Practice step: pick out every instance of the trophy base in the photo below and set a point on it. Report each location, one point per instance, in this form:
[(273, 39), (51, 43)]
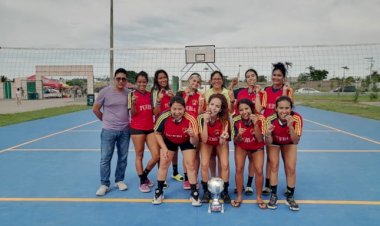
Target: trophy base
[(216, 208)]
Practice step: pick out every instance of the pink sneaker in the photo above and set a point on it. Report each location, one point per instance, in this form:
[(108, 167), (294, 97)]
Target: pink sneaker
[(186, 185), (144, 188), (149, 183)]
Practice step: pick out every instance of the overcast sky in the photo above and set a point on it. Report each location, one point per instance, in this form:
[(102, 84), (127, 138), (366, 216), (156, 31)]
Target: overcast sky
[(176, 23)]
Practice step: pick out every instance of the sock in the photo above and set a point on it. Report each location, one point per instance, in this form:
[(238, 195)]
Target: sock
[(146, 172), (194, 192), (267, 183), (142, 178), (204, 186), (274, 189), (291, 191), (160, 185), (186, 178), (226, 184), (249, 183), (175, 170)]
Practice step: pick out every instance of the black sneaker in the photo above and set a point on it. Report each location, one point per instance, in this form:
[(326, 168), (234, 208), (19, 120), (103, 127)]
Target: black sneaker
[(273, 202), (292, 203), (226, 197), (206, 197), (266, 191)]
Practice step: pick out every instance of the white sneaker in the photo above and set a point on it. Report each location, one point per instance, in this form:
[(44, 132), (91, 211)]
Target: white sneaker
[(103, 189), (195, 200), (158, 197), (121, 185)]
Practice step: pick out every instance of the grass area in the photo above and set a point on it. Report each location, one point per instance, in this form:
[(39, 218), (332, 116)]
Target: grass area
[(342, 103), (9, 119)]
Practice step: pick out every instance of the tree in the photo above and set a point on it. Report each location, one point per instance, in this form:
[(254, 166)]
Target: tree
[(303, 77), (131, 76), (3, 78), (262, 78), (318, 75)]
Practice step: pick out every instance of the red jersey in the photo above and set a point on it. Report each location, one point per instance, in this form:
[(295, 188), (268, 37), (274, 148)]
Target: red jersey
[(281, 133), (165, 101), (249, 141), (192, 104), (214, 131), (175, 131), (245, 94), (270, 99), (143, 119)]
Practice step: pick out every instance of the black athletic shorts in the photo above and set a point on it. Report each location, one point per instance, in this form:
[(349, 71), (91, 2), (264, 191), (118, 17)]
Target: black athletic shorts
[(138, 131), (174, 147)]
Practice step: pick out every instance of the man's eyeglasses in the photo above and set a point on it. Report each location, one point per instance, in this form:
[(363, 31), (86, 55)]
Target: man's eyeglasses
[(121, 79)]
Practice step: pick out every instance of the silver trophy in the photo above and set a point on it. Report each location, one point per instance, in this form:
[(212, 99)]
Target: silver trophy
[(215, 186)]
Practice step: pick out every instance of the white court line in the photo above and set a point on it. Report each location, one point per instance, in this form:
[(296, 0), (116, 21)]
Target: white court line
[(319, 131), (345, 132), (47, 136), (85, 131), (146, 150), (340, 151)]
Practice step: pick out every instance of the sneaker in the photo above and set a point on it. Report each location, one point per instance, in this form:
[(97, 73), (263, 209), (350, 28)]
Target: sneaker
[(273, 202), (158, 197), (178, 177), (103, 189), (292, 203), (166, 185), (248, 191), (266, 191), (194, 197), (206, 197), (226, 197), (149, 183), (186, 185), (121, 185), (144, 188)]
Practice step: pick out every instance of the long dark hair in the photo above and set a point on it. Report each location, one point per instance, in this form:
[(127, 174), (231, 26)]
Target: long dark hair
[(223, 115), (156, 86)]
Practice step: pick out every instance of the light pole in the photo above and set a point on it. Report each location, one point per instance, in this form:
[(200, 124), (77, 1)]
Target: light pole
[(238, 77), (371, 61), (111, 40), (344, 70)]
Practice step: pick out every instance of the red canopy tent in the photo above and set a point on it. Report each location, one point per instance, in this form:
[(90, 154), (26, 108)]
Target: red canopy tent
[(55, 84)]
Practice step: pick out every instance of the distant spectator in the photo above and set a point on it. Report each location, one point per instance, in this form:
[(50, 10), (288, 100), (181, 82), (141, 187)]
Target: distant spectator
[(18, 96)]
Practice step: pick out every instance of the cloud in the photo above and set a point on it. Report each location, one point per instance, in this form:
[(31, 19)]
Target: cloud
[(142, 23)]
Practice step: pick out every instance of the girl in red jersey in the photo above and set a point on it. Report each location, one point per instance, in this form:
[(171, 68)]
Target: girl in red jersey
[(161, 94), (176, 128), (141, 129), (194, 106), (279, 88), (254, 93), (214, 131), (248, 134), (283, 132)]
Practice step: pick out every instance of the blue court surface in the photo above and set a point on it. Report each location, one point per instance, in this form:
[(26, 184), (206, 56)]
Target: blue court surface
[(49, 173)]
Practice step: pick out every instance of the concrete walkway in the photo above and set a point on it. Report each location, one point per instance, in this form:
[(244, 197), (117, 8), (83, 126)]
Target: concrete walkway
[(10, 106)]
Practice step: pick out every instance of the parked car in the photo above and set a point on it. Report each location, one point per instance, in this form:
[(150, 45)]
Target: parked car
[(345, 89), (307, 90)]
